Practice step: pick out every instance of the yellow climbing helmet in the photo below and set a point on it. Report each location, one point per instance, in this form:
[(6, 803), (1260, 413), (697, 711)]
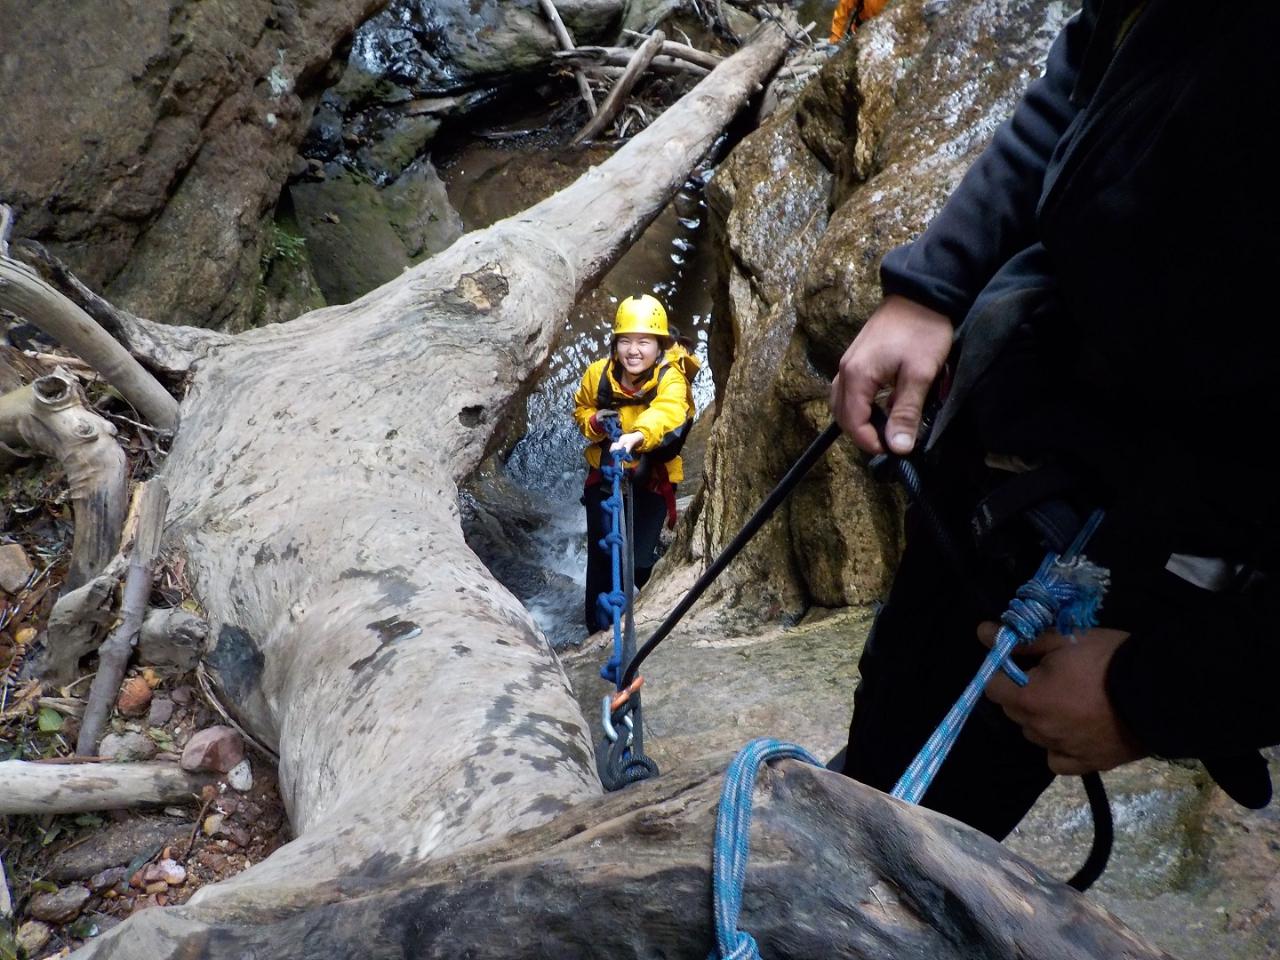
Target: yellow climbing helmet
[(642, 314)]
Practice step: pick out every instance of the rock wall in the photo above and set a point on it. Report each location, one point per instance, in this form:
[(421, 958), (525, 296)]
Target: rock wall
[(806, 208), (147, 143)]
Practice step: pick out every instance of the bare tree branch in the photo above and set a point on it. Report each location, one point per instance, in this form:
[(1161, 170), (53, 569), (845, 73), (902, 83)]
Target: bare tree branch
[(613, 103), (565, 39)]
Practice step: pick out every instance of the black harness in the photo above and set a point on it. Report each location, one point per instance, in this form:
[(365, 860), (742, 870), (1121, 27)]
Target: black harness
[(609, 399)]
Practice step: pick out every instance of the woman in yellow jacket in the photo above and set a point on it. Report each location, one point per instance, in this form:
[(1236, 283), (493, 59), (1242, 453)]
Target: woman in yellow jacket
[(644, 382)]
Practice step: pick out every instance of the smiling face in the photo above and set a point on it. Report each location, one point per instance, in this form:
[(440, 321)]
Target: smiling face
[(636, 353)]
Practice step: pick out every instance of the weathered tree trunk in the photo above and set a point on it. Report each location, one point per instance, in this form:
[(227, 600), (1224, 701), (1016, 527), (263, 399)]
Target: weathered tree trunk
[(837, 870), (436, 768), (313, 487)]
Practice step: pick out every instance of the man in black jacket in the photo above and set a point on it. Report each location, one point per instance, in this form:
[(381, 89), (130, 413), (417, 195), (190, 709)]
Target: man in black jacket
[(1101, 280)]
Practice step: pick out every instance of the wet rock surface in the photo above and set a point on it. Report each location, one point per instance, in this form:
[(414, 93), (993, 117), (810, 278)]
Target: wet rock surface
[(155, 187)]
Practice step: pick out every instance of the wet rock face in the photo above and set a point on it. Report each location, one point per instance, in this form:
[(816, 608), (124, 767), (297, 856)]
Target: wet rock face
[(146, 142), (442, 46), (807, 207)]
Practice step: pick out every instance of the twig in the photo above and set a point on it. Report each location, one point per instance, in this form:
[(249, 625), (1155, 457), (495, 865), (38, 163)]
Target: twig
[(617, 96), (6, 227), (565, 39), (206, 687), (195, 830), (684, 51), (150, 502), (6, 901)]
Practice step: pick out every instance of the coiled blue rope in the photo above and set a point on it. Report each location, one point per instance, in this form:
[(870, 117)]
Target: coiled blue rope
[(733, 842), (1066, 592)]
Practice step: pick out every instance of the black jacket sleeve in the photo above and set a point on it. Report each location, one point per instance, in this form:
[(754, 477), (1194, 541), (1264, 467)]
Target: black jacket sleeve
[(992, 214), (1205, 684)]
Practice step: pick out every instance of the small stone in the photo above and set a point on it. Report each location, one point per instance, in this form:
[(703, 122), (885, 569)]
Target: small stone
[(166, 871), (216, 748), (240, 777), (15, 568), (212, 824), (32, 936), (127, 747), (161, 712), (157, 886), (60, 907), (135, 697), (108, 879), (183, 695), (212, 860)]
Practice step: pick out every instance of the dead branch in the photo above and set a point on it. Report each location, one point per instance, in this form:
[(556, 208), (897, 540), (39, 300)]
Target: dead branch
[(681, 51), (612, 61), (149, 505), (640, 60), (6, 226), (27, 787), (565, 39), (51, 416), (77, 622), (6, 899), (26, 294), (167, 347)]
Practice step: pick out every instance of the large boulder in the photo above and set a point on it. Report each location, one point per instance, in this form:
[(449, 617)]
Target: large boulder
[(145, 143), (807, 206)]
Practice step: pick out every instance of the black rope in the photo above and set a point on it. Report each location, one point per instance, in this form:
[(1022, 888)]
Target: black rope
[(762, 514)]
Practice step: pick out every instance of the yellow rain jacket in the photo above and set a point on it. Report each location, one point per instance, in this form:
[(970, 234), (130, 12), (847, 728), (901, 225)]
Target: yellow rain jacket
[(666, 402)]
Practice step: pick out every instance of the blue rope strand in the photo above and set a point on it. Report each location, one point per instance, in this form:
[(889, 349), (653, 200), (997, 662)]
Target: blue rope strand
[(733, 843), (613, 604), (1066, 593)]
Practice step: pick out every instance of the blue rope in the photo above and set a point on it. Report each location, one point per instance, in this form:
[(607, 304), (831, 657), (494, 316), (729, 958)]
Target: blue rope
[(613, 604), (1066, 592), (733, 842)]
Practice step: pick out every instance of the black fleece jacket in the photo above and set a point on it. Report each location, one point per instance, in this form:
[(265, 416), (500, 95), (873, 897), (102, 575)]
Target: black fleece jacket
[(1125, 221)]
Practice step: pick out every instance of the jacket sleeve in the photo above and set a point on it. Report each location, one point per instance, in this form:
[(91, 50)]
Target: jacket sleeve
[(1204, 682), (667, 411), (584, 402), (992, 213)]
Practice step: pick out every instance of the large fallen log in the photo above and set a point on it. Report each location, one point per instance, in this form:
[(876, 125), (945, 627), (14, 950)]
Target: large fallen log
[(313, 488), (837, 870)]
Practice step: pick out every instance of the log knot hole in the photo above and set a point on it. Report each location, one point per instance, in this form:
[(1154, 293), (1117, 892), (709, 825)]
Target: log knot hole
[(471, 416)]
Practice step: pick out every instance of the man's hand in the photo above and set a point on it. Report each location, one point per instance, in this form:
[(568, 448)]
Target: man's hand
[(627, 442), (902, 346), (1064, 706)]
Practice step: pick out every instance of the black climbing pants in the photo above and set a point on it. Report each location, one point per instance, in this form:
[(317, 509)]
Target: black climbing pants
[(649, 512), (922, 651)]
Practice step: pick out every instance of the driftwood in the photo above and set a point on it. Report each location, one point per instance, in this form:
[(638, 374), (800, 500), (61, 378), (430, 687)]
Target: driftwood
[(25, 293), (565, 39), (6, 898), (148, 511), (678, 51), (28, 787), (615, 65), (613, 103), (49, 415), (837, 870), (76, 624)]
